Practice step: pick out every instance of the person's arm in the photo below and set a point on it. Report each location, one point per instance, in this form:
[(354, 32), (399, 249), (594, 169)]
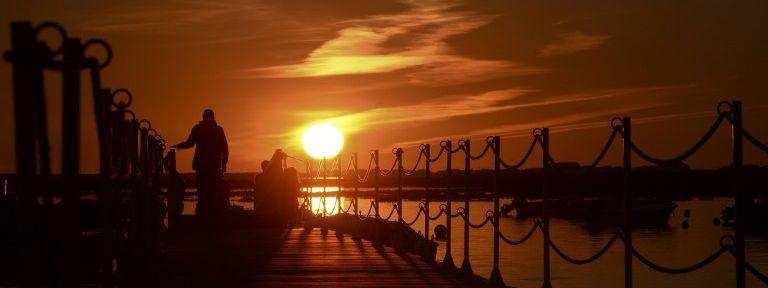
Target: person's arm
[(190, 141), (224, 151)]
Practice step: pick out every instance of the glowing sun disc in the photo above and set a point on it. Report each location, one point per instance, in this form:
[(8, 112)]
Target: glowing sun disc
[(322, 141)]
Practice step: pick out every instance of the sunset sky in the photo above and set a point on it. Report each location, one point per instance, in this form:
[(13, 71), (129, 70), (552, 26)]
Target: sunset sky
[(398, 73)]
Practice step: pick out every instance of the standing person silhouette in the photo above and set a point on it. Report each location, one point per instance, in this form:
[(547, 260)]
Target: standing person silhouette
[(209, 163)]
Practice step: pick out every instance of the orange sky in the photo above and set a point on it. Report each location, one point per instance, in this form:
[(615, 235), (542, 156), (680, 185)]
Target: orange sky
[(399, 73)]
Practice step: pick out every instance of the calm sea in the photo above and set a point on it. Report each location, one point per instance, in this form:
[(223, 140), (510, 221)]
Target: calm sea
[(522, 265)]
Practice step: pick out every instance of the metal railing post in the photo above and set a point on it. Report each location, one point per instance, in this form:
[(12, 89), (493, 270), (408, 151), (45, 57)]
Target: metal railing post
[(466, 267), (338, 193), (24, 69), (448, 259), (339, 232), (324, 226), (376, 183), (399, 159), (740, 199), (496, 278), (355, 186), (545, 205), (73, 58), (105, 193), (427, 155), (626, 126)]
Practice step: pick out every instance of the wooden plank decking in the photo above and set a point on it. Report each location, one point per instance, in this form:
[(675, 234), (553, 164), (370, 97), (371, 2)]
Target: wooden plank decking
[(279, 258)]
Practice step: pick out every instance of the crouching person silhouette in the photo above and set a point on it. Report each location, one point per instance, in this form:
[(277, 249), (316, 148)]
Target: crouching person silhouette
[(209, 163)]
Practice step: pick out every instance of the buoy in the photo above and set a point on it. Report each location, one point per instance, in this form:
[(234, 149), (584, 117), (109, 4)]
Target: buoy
[(687, 213), (685, 225), (441, 232), (716, 221)]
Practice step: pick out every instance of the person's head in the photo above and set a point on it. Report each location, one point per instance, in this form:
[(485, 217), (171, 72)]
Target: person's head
[(264, 165), (208, 115)]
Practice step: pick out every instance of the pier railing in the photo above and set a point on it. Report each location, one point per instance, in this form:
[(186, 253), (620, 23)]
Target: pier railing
[(730, 112), (121, 228)]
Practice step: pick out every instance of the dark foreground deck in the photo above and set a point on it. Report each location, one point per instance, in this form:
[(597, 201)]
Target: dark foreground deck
[(288, 258)]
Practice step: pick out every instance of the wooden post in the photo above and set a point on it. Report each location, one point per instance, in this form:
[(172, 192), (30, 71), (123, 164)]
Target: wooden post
[(741, 200), (448, 263), (496, 278), (466, 267), (545, 205), (70, 160), (626, 126)]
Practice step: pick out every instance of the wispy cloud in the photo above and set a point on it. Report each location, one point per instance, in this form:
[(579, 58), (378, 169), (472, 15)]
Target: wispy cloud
[(170, 16), (412, 39), (572, 42), (566, 121)]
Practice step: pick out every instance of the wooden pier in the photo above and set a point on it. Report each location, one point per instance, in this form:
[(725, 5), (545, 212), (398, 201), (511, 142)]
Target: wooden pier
[(262, 257)]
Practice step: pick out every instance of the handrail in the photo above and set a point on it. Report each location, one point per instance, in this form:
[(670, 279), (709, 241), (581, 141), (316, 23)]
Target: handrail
[(620, 127)]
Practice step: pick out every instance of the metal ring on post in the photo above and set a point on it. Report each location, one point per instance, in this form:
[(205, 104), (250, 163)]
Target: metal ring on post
[(133, 115), (106, 47), (490, 215), (489, 139), (616, 123), (461, 143), (142, 121), (537, 132), (727, 237), (58, 28), (721, 108), (444, 144), (122, 104), (152, 132), (422, 147)]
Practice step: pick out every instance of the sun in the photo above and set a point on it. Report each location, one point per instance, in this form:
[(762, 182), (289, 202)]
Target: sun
[(322, 141)]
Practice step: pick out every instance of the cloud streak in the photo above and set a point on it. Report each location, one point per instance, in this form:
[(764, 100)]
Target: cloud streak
[(413, 39), (572, 42)]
